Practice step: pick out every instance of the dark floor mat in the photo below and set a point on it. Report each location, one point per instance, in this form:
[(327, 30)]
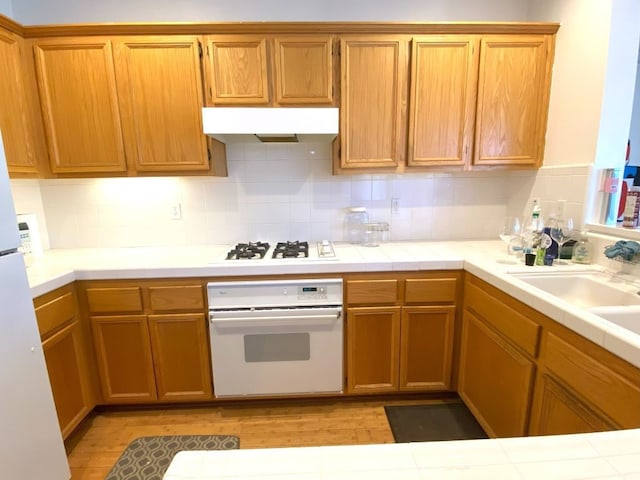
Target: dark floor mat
[(423, 423), (147, 458)]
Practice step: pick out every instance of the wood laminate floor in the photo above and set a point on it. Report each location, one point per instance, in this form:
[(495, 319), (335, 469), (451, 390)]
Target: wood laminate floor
[(98, 442)]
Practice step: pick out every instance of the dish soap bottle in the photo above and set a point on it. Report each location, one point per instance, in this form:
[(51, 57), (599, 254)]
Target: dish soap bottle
[(534, 232), (581, 250)]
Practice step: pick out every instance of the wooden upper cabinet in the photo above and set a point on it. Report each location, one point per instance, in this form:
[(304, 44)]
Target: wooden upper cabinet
[(303, 70), (263, 70), (79, 103), (14, 121), (161, 98), (237, 72), (442, 105), (513, 97), (373, 101)]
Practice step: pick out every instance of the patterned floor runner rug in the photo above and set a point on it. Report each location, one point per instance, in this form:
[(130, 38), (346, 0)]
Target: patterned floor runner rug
[(147, 458)]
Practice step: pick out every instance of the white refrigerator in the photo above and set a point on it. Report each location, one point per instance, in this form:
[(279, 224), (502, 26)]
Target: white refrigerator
[(31, 446)]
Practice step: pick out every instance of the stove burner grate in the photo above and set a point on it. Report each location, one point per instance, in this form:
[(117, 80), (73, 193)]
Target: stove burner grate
[(295, 249), (248, 251)]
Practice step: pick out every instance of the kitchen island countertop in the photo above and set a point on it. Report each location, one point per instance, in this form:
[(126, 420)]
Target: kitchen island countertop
[(605, 455)]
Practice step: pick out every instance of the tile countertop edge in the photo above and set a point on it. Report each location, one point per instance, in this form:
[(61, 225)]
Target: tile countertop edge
[(40, 286)]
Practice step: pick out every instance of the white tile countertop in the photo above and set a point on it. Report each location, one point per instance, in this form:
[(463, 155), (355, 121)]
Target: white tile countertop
[(482, 258), (593, 456)]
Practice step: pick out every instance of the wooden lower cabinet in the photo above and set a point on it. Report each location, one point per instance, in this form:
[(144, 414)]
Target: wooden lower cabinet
[(71, 394), (496, 380), (583, 388), (123, 351), (426, 348), (557, 410), (66, 342), (151, 338), (180, 356), (373, 341), (522, 373), (401, 331), (393, 349)]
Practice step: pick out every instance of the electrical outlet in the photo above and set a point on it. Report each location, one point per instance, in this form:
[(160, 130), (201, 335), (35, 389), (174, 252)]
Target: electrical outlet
[(175, 211), (395, 206)]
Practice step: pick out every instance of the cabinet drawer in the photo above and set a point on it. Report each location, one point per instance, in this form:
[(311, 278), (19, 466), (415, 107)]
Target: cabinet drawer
[(430, 290), (372, 292), (603, 388), (524, 332), (55, 313), (118, 299), (177, 297)]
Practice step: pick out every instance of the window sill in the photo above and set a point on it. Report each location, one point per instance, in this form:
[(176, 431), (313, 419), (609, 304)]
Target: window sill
[(620, 232)]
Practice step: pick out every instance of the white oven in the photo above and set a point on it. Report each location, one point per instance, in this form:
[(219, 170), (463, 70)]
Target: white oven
[(276, 337)]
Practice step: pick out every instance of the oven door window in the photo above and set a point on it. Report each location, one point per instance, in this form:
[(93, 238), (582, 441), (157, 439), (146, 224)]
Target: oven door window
[(277, 347)]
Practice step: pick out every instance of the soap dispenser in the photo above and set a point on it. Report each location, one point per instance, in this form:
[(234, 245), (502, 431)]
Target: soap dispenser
[(581, 250)]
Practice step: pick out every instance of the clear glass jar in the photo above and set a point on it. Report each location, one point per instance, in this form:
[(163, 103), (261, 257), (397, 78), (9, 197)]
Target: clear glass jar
[(354, 222), (375, 233)]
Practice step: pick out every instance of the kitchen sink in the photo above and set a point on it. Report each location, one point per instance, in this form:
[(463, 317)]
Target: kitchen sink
[(585, 289), (626, 317)]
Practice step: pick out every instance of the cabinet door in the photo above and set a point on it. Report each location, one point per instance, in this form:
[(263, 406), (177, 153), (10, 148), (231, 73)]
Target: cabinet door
[(513, 98), (557, 410), (181, 356), (237, 73), (14, 122), (123, 351), (426, 348), (496, 381), (373, 102), (442, 105), (79, 105), (373, 339), (595, 379), (303, 70), (63, 354), (161, 98)]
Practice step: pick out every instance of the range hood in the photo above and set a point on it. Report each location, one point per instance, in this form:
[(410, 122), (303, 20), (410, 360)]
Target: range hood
[(270, 125)]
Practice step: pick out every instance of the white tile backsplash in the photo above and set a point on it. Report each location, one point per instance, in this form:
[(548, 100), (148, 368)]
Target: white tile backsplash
[(278, 192)]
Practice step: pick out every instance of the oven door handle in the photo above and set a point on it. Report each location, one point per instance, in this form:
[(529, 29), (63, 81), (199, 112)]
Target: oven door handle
[(274, 321)]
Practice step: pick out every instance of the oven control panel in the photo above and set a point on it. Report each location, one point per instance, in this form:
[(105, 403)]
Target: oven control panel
[(272, 293), (312, 292)]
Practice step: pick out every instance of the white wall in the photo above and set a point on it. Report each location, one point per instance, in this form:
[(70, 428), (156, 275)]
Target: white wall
[(72, 11), (28, 200), (272, 193), (6, 8), (591, 97), (617, 101), (578, 77), (634, 130)]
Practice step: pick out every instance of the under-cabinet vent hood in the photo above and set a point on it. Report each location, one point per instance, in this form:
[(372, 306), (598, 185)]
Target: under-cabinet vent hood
[(233, 124)]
